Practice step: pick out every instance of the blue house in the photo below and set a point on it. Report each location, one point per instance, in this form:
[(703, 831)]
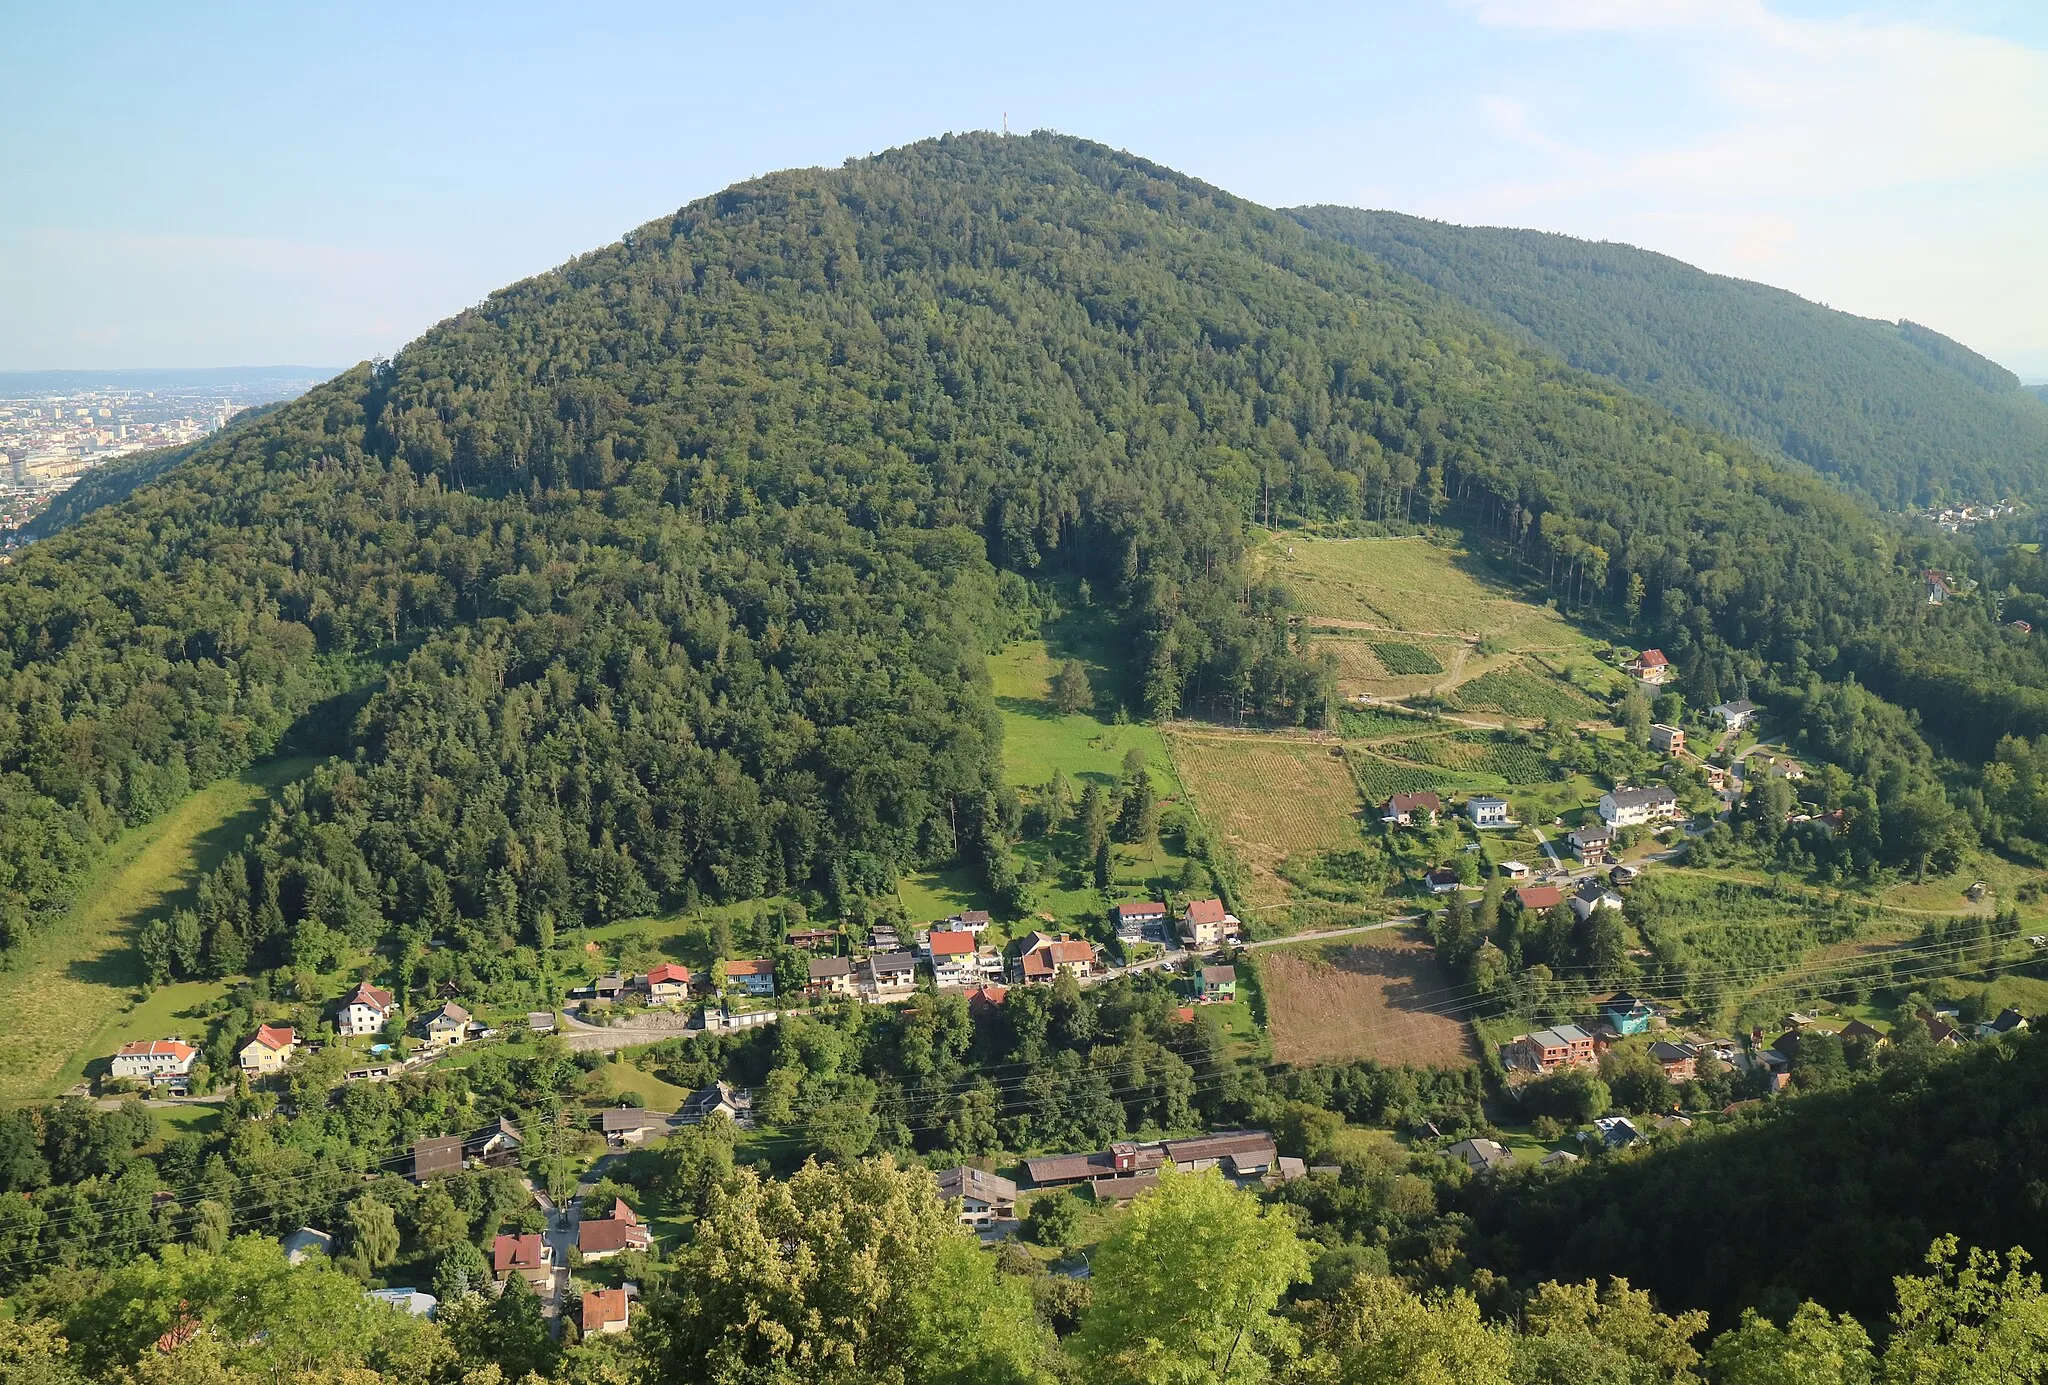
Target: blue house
[(1627, 1014)]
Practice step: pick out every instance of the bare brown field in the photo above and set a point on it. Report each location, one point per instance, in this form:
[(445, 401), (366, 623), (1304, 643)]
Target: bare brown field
[(1271, 797), (1341, 1001)]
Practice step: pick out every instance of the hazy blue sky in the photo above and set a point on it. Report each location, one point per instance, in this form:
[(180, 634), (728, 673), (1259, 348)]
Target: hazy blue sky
[(233, 184)]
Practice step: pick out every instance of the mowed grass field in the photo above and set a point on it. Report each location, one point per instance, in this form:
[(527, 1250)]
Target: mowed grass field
[(1270, 797), (1360, 593), (76, 993), (1373, 996)]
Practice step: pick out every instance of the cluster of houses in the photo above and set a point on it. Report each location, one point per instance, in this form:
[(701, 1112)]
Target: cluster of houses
[(166, 1064), (1424, 808), (1578, 1046)]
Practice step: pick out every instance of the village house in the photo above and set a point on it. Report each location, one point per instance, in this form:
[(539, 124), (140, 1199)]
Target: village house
[(1650, 667), (1591, 843), (811, 939), (1133, 917), (528, 1256), (1486, 811), (608, 987), (366, 1011), (1481, 1155), (1667, 740), (1205, 923), (435, 1156), (982, 999), (891, 975), (668, 984), (1679, 1061), (1940, 586), (1442, 880), (605, 1311), (718, 1099), (600, 1238), (631, 1125), (1944, 1034), (973, 921), (1412, 809), (1042, 958), (831, 976), (540, 1021), (159, 1062), (1621, 807), (1219, 985), (1858, 1031), (1546, 1050), (1536, 898), (1514, 870), (754, 976), (1736, 715), (269, 1051), (1109, 1172), (983, 1198), (1627, 1014), (497, 1145), (2009, 1021), (1592, 895), (952, 958), (448, 1025)]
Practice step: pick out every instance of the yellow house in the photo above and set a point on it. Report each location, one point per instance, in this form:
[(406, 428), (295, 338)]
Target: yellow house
[(269, 1051)]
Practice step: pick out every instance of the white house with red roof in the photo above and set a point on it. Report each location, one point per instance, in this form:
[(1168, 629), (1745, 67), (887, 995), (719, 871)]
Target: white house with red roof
[(159, 1062), (366, 1011), (1206, 923)]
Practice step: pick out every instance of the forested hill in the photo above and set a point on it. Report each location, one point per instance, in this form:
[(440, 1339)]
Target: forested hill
[(1896, 412), (671, 570)]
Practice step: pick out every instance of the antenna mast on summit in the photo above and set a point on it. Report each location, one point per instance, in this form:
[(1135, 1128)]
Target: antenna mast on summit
[(1006, 122)]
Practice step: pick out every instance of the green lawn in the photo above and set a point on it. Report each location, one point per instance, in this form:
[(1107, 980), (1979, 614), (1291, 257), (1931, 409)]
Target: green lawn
[(75, 994), (655, 1093)]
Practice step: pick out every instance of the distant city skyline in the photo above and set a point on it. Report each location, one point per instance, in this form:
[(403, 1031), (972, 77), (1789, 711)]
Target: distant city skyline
[(247, 184)]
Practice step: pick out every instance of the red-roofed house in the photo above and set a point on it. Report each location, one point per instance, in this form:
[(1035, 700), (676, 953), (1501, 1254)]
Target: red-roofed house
[(159, 1062), (364, 1012), (987, 997), (269, 1051), (1044, 958), (1540, 896), (600, 1238), (605, 1310), (1206, 923), (952, 957), (1650, 666), (1408, 809), (528, 1256), (668, 984)]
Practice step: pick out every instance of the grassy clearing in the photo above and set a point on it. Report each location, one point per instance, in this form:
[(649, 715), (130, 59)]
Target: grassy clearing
[(1271, 797), (1373, 997), (1457, 615), (76, 994), (655, 1093)]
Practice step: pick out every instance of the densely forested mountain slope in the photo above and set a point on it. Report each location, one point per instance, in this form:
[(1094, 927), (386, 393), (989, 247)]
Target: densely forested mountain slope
[(1898, 413), (1826, 1197), (684, 555)]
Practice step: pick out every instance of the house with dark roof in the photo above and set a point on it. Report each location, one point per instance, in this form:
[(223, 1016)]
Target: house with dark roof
[(1679, 1061), (1857, 1030), (718, 1099), (1546, 1050), (1442, 880), (2009, 1021), (891, 975), (831, 976), (1591, 842), (448, 1025), (631, 1125), (1219, 985), (1132, 917), (1636, 807), (1592, 895), (982, 1197), (1627, 1013), (435, 1156), (1737, 714), (497, 1146), (1481, 1155)]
